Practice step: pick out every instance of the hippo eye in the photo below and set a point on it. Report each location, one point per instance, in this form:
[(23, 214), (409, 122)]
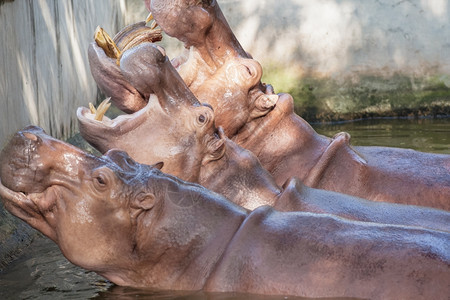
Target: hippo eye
[(204, 115), (100, 180)]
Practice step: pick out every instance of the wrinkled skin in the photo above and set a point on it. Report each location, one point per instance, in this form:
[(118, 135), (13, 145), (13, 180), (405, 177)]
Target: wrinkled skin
[(239, 177), (178, 142), (236, 173), (139, 227), (285, 144), (168, 129), (204, 68)]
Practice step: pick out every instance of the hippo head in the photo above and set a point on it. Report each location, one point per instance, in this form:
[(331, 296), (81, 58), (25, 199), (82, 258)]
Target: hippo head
[(174, 127), (234, 91), (216, 68), (129, 222), (170, 129), (63, 192)]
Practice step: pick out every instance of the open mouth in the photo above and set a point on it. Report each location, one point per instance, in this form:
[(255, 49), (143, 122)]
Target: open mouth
[(96, 117), (261, 98), (220, 48)]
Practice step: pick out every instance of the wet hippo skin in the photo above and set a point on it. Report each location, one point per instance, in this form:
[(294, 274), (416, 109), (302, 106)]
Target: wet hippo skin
[(284, 143), (163, 131), (153, 135), (137, 226)]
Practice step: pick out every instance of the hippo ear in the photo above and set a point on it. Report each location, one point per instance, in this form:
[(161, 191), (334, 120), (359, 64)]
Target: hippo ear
[(144, 201), (216, 150), (158, 165)]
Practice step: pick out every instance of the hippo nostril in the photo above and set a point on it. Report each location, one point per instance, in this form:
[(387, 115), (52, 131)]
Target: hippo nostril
[(249, 71), (30, 136)]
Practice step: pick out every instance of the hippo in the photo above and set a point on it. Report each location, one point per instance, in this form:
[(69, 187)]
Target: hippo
[(286, 144), (178, 142), (150, 135), (137, 226)]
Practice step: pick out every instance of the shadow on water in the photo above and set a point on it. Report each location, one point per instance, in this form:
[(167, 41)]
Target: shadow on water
[(42, 272)]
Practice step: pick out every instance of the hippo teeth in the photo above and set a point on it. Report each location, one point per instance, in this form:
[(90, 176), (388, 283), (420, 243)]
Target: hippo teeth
[(101, 110), (149, 18), (105, 42), (129, 37), (153, 25)]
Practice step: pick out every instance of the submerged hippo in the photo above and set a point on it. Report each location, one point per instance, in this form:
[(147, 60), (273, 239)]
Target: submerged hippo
[(285, 144), (137, 226), (159, 130)]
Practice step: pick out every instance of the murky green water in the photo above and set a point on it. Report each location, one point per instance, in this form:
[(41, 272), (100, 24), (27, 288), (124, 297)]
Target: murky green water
[(427, 135), (43, 273)]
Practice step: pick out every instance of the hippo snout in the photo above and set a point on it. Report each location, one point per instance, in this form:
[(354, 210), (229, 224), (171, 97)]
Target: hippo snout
[(20, 166)]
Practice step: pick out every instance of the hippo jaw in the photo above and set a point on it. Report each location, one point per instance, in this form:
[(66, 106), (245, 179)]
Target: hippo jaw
[(104, 59), (101, 133), (183, 143), (216, 68), (28, 163), (174, 127), (197, 23)]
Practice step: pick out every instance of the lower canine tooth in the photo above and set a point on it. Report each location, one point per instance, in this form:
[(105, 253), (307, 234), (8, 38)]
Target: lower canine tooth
[(92, 108), (153, 25), (101, 109)]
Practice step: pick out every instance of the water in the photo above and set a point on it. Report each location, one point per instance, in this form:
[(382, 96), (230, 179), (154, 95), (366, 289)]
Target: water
[(42, 272), (427, 135)]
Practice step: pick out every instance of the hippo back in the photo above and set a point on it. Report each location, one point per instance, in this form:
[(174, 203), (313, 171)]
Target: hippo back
[(316, 255)]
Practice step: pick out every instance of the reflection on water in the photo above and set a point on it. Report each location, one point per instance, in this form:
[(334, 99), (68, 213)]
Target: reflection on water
[(42, 272), (427, 135)]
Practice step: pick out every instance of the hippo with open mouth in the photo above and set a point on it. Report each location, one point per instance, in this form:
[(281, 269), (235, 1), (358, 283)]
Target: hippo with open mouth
[(219, 72), (137, 226), (374, 173), (171, 117), (180, 141)]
